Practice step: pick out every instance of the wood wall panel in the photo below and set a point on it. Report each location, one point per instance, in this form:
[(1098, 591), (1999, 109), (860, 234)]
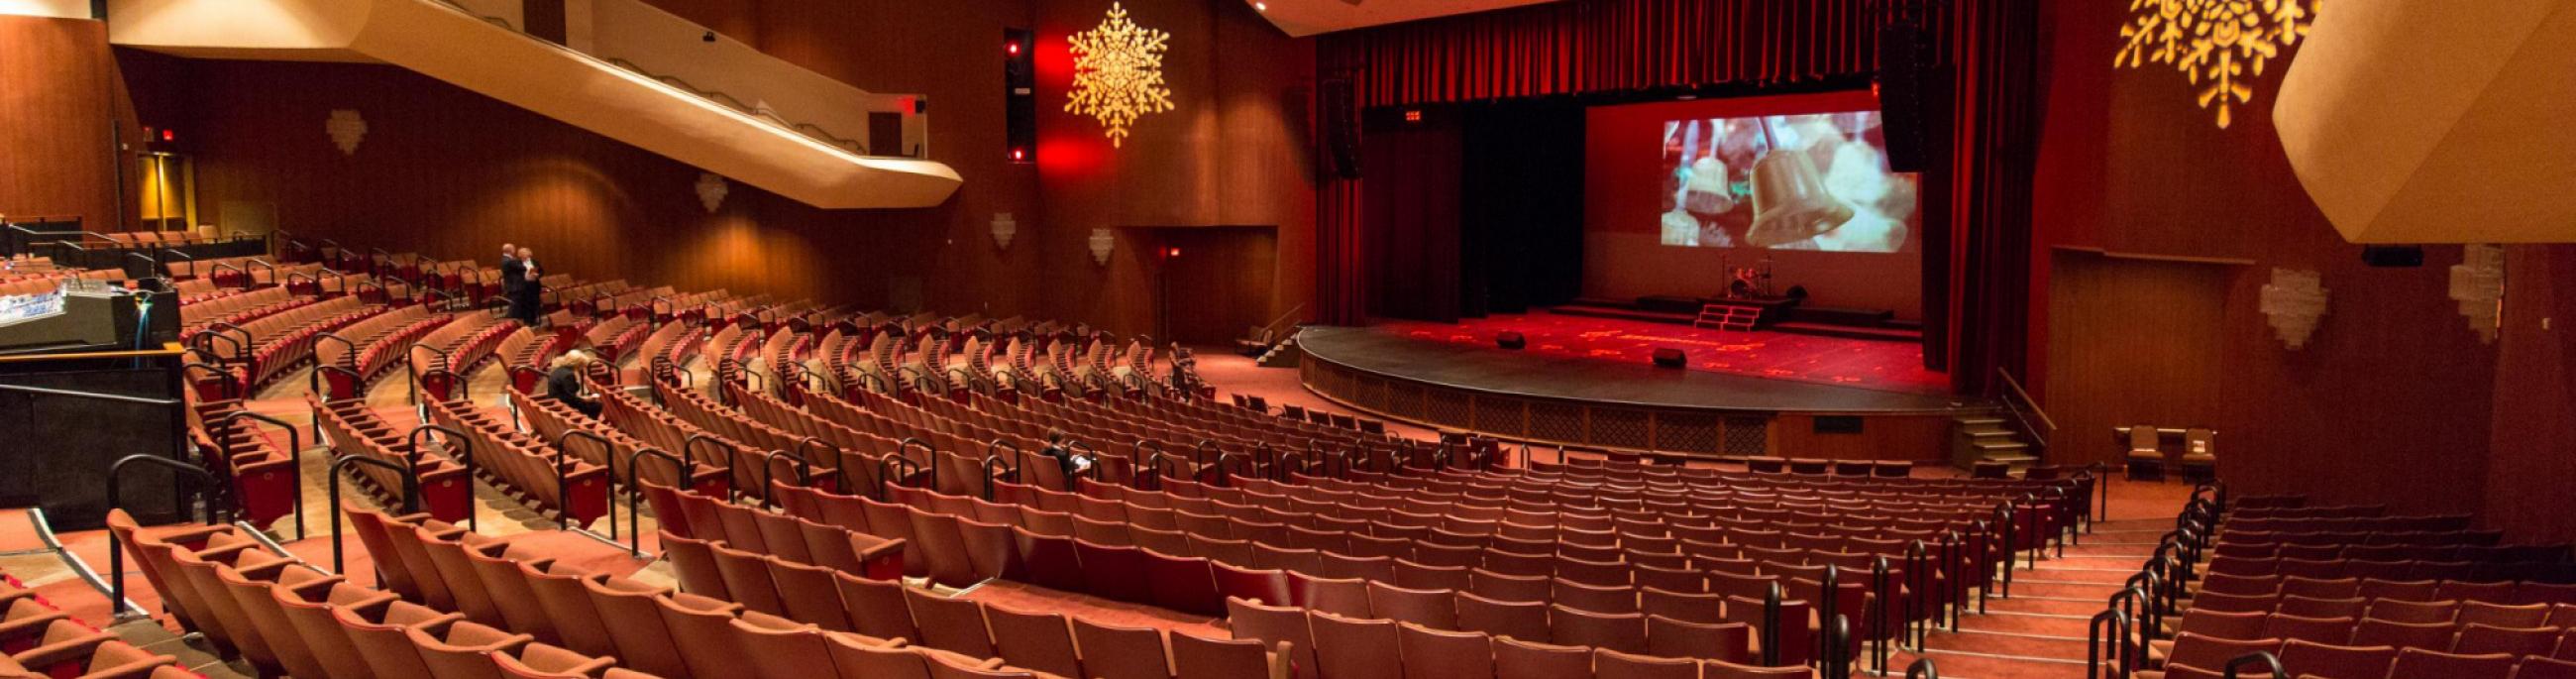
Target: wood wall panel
[(1885, 437), (1220, 284), (2390, 402), (57, 156), (2132, 342), (2532, 468)]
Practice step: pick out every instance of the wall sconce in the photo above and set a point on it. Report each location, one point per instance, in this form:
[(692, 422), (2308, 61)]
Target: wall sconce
[(712, 190), (2477, 283), (2294, 300), (1003, 229), (346, 130), (1101, 240)]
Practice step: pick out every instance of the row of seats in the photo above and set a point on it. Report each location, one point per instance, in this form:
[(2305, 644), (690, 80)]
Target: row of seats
[(283, 617), (554, 421), (2194, 654), (1052, 644), (576, 491), (37, 639), (2516, 637), (356, 430), (2502, 592)]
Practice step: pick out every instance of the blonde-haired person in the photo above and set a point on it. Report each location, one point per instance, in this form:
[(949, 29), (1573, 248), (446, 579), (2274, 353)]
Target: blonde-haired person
[(564, 383)]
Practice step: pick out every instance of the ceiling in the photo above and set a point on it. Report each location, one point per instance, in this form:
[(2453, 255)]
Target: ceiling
[(1309, 17)]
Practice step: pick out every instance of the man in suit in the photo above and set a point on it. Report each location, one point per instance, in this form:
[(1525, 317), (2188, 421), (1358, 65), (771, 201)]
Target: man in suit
[(511, 270), (528, 302)]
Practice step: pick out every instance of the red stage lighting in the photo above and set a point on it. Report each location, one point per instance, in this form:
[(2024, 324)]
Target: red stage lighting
[(1175, 252), (167, 135)]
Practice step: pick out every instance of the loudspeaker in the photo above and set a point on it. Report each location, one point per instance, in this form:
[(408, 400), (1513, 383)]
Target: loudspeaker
[(1019, 95), (1510, 340), (1337, 107), (1837, 424), (2392, 255), (1668, 357), (1902, 80)]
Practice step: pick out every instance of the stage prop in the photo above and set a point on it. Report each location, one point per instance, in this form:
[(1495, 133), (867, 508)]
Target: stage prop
[(1618, 405)]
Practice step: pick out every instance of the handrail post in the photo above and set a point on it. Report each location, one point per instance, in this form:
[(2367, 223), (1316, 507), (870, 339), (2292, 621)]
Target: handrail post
[(451, 437), (116, 548), (410, 501), (295, 451), (635, 491)]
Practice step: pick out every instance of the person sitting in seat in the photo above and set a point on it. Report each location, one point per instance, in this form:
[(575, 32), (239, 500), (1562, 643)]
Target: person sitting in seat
[(563, 382)]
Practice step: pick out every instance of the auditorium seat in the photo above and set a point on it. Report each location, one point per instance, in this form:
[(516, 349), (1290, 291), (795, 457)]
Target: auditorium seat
[(2375, 632), (955, 625), (1041, 641), (2304, 658), (2480, 639), (2318, 630), (1121, 652), (1430, 653), (2545, 668), (1620, 631), (2414, 662), (1520, 659)]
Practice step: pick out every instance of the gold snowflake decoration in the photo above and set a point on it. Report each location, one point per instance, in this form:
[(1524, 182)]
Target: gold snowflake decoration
[(1118, 73), (2217, 44)]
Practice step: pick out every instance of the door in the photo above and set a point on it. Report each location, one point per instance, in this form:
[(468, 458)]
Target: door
[(1216, 282)]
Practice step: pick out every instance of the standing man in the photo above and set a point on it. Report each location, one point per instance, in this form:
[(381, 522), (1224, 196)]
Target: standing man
[(529, 300), (511, 270)]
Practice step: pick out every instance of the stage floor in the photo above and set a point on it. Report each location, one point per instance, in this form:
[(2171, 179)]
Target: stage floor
[(1396, 351), (1863, 364)]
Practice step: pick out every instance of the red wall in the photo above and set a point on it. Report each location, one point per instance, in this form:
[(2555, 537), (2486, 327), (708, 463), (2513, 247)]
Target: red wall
[(2391, 401), (2532, 464)]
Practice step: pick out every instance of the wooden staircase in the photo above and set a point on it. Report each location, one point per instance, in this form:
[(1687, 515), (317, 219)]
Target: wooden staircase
[(1723, 316), (1989, 437), (1285, 354)]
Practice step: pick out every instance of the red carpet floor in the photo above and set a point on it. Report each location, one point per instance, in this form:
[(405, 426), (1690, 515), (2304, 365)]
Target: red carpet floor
[(1867, 364)]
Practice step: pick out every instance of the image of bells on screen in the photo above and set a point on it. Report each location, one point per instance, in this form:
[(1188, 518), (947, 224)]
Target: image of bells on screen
[(1790, 203), (1708, 193)]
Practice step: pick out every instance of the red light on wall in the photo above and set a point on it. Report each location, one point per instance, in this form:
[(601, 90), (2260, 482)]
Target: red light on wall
[(1011, 48), (1174, 252), (167, 135), (1413, 115), (1019, 155)]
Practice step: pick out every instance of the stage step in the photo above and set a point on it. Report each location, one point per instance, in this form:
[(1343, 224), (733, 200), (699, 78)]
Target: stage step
[(1987, 438), (1285, 354)]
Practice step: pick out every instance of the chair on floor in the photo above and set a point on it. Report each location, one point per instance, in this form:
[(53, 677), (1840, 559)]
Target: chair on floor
[(2303, 658), (1609, 664), (1434, 654), (1120, 652), (1196, 657), (1347, 648), (1035, 640), (1517, 659), (2416, 662)]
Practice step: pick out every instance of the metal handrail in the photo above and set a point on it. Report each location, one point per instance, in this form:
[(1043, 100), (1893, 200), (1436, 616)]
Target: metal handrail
[(688, 472), (294, 449), (451, 438), (2038, 438), (2271, 663), (410, 501), (115, 548)]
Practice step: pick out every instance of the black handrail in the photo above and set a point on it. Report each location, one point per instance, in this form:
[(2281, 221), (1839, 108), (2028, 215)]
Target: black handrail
[(1770, 632), (239, 351), (1225, 477), (1875, 618), (1157, 468), (609, 453), (233, 388), (1199, 453), (769, 474), (1010, 466), (689, 449), (451, 437), (1923, 668), (2117, 652), (2269, 662), (115, 548), (1837, 656), (294, 450), (929, 458), (410, 501), (841, 482), (888, 465), (688, 472)]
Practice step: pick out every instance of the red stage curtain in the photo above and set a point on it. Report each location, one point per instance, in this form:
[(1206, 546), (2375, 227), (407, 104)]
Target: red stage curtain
[(1977, 203)]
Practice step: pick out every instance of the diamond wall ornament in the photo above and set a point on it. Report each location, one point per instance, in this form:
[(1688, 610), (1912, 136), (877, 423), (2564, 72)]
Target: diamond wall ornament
[(1003, 229), (2477, 283), (712, 189), (2217, 45), (2294, 300), (1118, 73), (346, 130), (1101, 241)]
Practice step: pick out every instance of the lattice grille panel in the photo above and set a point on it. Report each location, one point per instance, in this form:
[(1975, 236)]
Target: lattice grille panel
[(1448, 408), (1682, 432), (1555, 421), (1748, 436), (1619, 427)]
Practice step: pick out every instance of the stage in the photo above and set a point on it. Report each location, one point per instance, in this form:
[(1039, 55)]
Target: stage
[(1587, 382)]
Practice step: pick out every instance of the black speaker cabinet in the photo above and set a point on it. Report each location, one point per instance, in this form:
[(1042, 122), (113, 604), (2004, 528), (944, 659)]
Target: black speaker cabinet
[(1668, 357), (1510, 340)]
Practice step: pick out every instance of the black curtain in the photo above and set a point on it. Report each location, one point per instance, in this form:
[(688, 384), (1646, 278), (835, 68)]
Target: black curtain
[(1411, 209), (1522, 202)]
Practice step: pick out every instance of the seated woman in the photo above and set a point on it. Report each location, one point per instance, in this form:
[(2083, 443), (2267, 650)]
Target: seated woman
[(563, 382)]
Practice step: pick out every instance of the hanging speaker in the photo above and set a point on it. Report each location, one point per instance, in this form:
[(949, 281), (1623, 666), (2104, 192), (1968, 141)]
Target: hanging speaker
[(1019, 95), (1337, 106), (1901, 84)]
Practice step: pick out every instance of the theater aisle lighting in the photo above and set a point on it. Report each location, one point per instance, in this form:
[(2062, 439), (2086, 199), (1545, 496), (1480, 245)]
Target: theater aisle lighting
[(2217, 45), (1118, 73)]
